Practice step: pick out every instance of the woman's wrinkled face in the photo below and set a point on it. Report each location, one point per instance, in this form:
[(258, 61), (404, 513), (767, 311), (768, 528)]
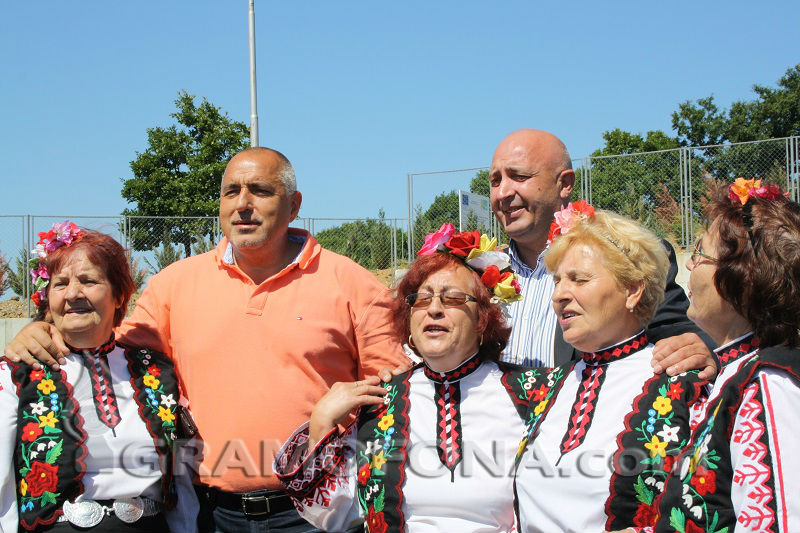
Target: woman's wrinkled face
[(706, 306), (592, 308), (80, 299), (445, 336)]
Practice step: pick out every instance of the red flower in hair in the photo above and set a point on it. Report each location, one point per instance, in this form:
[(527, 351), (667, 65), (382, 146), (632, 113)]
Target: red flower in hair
[(566, 219), (460, 244), (491, 276)]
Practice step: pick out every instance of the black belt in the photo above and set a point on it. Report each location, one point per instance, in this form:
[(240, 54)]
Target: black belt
[(252, 504)]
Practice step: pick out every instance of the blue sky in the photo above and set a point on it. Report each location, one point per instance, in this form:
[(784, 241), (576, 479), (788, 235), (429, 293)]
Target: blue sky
[(356, 93)]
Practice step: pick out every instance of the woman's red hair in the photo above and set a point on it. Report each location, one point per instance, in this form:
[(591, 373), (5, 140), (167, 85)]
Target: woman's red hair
[(491, 323)]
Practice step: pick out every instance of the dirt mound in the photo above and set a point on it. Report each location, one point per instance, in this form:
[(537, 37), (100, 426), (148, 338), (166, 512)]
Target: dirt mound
[(14, 308)]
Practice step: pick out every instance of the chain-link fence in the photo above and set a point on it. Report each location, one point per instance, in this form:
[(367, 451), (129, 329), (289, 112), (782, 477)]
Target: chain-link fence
[(664, 190), (378, 244)]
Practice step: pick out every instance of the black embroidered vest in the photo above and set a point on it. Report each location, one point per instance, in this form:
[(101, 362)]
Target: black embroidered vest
[(51, 441), (693, 509), (384, 429)]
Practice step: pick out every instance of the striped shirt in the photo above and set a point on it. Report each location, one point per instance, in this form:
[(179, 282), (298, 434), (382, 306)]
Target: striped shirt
[(532, 319)]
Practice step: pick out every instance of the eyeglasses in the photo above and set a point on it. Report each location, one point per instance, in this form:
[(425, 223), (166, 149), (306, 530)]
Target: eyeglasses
[(421, 300), (698, 252)]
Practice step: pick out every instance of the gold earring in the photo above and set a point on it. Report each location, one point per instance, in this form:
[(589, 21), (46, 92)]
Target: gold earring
[(411, 343), (481, 342)]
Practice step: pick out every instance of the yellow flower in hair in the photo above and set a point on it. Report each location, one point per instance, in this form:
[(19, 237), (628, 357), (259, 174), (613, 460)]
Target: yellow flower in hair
[(741, 188), (486, 245), (508, 289)]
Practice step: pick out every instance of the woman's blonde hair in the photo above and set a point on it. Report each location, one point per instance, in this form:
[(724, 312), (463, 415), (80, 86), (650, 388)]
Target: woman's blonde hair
[(630, 252)]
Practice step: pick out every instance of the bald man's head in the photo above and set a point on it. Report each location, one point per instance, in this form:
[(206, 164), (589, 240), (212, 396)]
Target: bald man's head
[(285, 170), (258, 200), (543, 145), (531, 178)]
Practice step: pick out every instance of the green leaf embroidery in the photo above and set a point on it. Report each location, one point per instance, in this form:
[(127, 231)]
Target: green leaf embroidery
[(643, 494), (677, 520), (379, 501), (54, 453), (48, 497), (51, 431)]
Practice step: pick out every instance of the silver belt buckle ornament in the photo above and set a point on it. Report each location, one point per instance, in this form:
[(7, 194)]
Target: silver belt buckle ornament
[(129, 510), (86, 513)]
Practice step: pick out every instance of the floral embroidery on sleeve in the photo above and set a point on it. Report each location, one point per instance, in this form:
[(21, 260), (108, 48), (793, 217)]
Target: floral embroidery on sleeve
[(40, 445)]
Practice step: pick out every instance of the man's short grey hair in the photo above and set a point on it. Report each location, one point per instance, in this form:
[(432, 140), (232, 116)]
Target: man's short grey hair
[(286, 173)]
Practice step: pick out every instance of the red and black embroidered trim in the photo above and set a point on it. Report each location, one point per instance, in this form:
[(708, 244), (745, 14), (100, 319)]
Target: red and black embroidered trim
[(460, 372), (734, 351), (96, 362), (618, 351), (583, 408), (103, 349), (448, 425), (105, 400)]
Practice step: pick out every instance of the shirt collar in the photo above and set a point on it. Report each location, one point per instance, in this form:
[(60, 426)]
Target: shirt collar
[(103, 349), (460, 372), (520, 267), (735, 349), (617, 351), (299, 236)]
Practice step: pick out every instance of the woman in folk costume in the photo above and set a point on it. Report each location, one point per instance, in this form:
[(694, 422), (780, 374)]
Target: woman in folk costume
[(604, 430), (740, 471), (90, 446), (433, 449)]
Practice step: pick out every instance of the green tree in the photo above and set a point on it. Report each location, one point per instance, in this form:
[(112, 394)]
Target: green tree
[(18, 275), (4, 275), (180, 171), (165, 255), (367, 242), (480, 183), (775, 112)]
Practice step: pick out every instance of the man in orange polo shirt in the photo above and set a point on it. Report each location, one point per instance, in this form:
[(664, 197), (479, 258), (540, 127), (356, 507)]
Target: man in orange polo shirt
[(259, 329)]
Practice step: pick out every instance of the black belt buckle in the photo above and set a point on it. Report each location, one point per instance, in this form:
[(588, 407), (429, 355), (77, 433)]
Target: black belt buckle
[(255, 505)]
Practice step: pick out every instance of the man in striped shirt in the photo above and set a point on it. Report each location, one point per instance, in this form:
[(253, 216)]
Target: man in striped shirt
[(531, 179)]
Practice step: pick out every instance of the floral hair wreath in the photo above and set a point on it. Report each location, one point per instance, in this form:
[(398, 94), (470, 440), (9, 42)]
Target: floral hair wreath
[(569, 217), (480, 254), (62, 234), (741, 190)]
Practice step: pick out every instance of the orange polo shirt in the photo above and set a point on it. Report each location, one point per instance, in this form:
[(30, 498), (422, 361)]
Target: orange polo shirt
[(254, 359)]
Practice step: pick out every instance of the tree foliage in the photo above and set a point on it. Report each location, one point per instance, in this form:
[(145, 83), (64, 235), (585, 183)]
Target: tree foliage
[(180, 171), (18, 274), (367, 242), (165, 255), (4, 275), (775, 112)]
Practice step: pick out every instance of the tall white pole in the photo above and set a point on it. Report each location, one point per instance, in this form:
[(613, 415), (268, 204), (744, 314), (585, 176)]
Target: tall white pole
[(253, 99)]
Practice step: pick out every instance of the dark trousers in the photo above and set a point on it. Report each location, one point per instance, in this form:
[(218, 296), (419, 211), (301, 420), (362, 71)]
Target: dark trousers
[(216, 519)]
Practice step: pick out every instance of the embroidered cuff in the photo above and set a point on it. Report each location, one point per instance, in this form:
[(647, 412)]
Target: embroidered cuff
[(301, 470)]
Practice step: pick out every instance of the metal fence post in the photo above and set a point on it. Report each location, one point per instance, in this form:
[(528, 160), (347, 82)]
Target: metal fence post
[(410, 192)]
